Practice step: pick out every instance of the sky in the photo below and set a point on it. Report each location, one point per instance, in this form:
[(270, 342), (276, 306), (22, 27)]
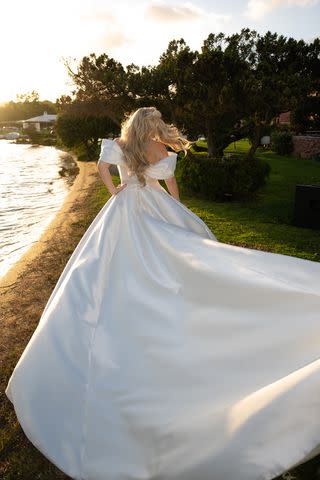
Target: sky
[(37, 35)]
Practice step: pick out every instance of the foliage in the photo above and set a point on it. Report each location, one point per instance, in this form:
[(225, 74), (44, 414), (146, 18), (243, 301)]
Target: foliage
[(26, 106), (42, 137), (232, 88), (219, 178), (84, 132), (218, 93), (281, 79), (282, 142), (307, 115), (34, 135), (102, 87)]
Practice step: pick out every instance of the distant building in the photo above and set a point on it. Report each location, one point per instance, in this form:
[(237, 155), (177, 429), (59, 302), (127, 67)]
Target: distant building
[(283, 118), (42, 121)]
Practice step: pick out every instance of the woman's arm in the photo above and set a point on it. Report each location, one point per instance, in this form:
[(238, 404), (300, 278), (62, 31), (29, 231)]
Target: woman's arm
[(173, 187), (103, 169)]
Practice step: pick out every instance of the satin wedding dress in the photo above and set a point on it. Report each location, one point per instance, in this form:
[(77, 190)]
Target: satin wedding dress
[(164, 354)]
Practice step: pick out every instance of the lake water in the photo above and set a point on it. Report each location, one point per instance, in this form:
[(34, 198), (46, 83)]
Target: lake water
[(31, 192)]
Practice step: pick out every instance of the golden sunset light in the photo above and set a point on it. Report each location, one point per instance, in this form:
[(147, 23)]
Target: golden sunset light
[(37, 35), (160, 233)]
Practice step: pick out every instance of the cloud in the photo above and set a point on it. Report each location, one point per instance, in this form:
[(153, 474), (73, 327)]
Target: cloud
[(256, 9), (125, 32), (167, 13), (114, 40), (105, 29)]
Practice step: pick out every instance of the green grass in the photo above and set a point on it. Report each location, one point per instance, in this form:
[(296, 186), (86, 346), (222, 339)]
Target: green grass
[(265, 222)]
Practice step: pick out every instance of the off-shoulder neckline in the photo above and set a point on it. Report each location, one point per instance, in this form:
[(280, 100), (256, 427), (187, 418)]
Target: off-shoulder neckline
[(150, 164)]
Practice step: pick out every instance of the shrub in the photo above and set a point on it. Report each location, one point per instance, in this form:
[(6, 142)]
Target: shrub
[(34, 135), (282, 142), (219, 178), (49, 141)]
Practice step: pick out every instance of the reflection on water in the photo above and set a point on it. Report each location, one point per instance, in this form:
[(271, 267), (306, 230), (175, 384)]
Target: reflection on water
[(31, 192)]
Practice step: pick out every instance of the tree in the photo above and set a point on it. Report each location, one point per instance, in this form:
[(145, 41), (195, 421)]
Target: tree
[(84, 131), (233, 88), (28, 97), (21, 110), (280, 80), (218, 88), (174, 77), (307, 114), (101, 86)]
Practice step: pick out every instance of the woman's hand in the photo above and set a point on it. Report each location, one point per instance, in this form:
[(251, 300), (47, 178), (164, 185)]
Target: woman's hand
[(103, 168)]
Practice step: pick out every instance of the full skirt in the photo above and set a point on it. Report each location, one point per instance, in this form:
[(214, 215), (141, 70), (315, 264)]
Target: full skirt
[(164, 354)]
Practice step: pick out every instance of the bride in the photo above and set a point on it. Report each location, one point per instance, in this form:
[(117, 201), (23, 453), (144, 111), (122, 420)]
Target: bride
[(164, 354)]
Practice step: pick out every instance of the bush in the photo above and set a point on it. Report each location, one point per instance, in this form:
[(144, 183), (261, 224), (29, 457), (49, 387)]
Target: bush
[(49, 141), (282, 142), (34, 135), (219, 178)]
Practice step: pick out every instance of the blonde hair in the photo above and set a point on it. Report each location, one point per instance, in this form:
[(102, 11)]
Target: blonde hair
[(138, 128)]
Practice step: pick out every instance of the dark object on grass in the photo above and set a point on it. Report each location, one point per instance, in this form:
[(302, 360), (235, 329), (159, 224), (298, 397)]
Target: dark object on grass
[(307, 206)]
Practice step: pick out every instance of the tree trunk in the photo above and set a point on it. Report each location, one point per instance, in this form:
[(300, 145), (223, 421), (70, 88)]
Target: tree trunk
[(256, 141), (214, 150), (210, 142), (214, 141)]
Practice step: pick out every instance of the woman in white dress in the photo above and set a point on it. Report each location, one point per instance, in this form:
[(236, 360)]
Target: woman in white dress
[(163, 353)]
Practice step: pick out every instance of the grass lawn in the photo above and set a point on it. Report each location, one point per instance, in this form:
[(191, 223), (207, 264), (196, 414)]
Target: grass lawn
[(265, 222)]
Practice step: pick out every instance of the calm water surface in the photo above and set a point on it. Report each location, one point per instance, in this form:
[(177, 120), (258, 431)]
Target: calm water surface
[(31, 192)]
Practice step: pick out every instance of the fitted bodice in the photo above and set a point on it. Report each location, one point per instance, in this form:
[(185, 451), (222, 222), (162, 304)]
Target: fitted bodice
[(111, 152), (133, 179)]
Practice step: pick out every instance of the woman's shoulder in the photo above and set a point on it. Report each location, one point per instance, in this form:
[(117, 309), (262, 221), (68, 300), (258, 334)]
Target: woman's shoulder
[(111, 152), (111, 144), (108, 141)]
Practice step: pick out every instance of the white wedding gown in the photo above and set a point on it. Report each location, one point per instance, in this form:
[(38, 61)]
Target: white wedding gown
[(164, 354)]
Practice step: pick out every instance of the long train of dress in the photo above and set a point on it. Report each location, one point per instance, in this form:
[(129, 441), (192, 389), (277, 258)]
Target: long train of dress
[(164, 354)]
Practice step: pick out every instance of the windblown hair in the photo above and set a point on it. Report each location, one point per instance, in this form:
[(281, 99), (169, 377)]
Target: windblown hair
[(141, 126)]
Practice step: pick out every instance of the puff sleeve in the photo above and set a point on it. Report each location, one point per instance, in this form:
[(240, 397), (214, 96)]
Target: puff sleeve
[(164, 168), (111, 152)]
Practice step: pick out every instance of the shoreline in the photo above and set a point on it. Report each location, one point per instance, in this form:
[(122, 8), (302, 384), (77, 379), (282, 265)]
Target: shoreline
[(82, 181), (25, 290)]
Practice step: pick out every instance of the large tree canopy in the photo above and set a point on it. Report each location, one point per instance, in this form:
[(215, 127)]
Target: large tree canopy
[(234, 87), (102, 87)]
